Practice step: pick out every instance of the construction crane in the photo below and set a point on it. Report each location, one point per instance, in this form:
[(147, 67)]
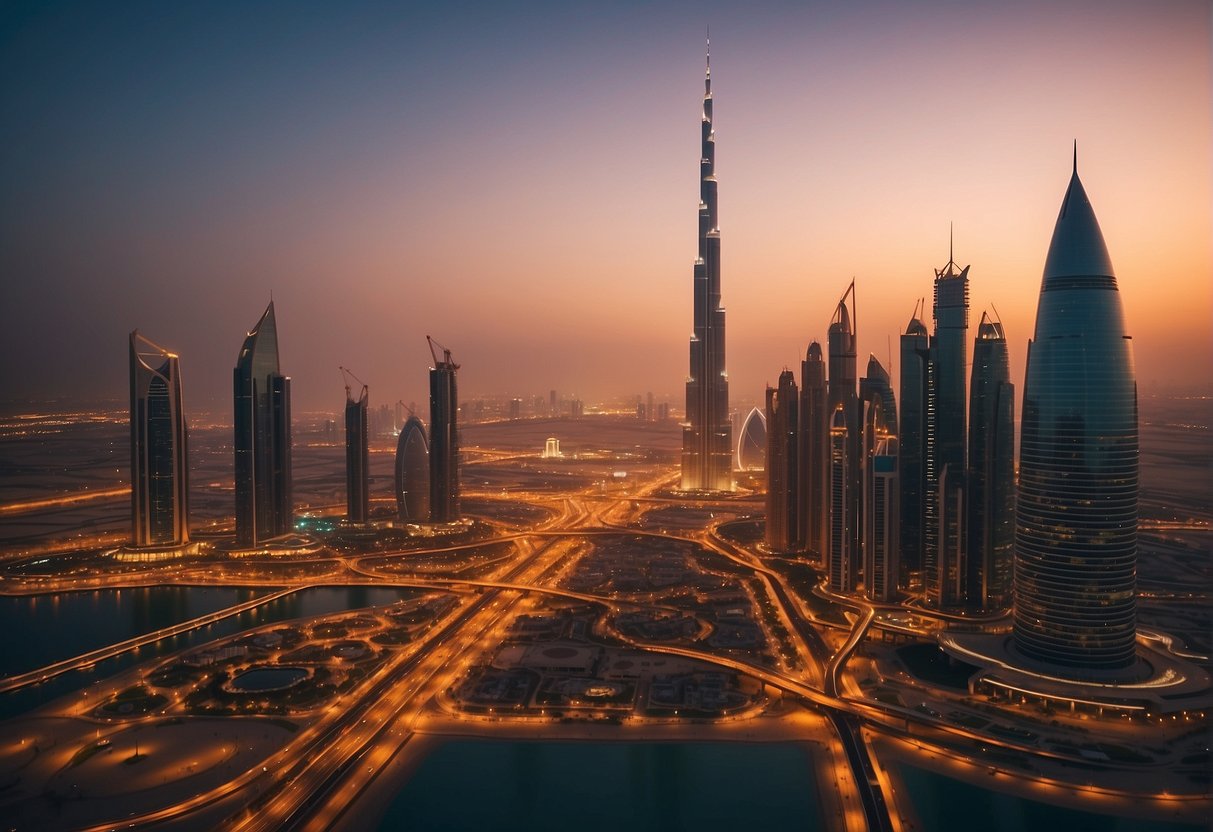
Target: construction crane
[(348, 395), (406, 407), (446, 354)]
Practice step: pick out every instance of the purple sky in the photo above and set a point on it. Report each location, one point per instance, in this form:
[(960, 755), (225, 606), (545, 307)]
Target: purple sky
[(520, 182)]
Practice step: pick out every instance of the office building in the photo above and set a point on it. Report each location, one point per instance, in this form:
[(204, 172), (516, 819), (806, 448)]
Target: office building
[(991, 480), (1076, 514), (782, 465), (262, 437), (444, 437), (159, 459), (413, 473)]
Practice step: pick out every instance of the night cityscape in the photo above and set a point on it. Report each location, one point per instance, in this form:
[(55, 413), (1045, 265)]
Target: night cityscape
[(475, 541)]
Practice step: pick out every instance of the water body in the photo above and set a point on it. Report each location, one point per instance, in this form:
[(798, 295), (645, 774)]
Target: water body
[(268, 678), (67, 624), (536, 786), (942, 802)]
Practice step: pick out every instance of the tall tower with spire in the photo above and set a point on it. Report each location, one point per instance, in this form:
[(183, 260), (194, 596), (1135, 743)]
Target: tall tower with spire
[(1076, 514), (707, 462)]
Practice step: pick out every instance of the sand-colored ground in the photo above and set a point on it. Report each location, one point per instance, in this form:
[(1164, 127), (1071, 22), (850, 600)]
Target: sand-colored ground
[(55, 787)]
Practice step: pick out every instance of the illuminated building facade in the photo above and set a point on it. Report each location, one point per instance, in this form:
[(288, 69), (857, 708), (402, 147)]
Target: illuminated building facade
[(843, 398), (944, 534), (159, 460), (911, 454), (814, 453), (263, 437), (706, 435), (783, 457), (1076, 514), (752, 442), (413, 473), (881, 498), (841, 563), (357, 457), (444, 439), (991, 481)]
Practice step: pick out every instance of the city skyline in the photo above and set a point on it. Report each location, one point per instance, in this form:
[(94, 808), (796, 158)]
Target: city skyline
[(372, 197)]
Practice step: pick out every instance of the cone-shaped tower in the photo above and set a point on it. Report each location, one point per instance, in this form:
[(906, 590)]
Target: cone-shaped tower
[(1076, 514), (707, 433)]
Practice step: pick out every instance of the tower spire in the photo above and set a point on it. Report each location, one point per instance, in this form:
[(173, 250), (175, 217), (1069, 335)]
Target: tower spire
[(1076, 157)]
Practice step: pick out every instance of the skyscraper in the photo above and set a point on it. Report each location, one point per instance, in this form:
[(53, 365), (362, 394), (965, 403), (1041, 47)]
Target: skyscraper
[(159, 461), (783, 458), (444, 437), (991, 480), (881, 495), (944, 537), (357, 457), (911, 454), (706, 435), (413, 473), (263, 437), (843, 397), (841, 563), (814, 453), (1076, 514)]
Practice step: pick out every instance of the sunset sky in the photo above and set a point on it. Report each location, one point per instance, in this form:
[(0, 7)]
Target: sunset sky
[(520, 181)]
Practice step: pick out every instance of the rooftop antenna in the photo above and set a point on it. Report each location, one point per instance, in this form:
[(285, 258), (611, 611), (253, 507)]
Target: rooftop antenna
[(1076, 157)]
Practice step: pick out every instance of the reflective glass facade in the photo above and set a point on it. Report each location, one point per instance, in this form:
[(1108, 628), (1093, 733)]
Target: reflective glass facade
[(413, 473), (991, 481), (444, 443), (262, 395), (357, 459), (707, 444), (1076, 514), (783, 457), (159, 464), (814, 453)]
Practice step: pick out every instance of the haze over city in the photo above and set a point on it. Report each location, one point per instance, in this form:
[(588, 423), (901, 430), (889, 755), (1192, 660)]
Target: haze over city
[(516, 180)]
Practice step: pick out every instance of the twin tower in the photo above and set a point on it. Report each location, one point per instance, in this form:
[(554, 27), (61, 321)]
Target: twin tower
[(427, 468), (929, 504)]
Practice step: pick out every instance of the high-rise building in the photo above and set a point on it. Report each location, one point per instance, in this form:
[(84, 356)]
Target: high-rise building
[(841, 562), (159, 459), (881, 496), (413, 473), (874, 388), (707, 447), (944, 535), (444, 438), (1076, 514), (843, 396), (357, 457), (911, 455), (991, 480), (783, 465), (263, 437), (752, 442), (814, 453)]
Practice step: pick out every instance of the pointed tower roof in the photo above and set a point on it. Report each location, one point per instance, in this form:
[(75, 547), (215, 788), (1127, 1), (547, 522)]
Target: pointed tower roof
[(814, 353), (989, 329), (1078, 248), (876, 370)]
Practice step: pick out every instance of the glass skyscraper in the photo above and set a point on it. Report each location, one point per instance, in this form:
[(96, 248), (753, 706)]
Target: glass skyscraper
[(991, 481), (911, 457), (707, 445), (783, 458), (263, 437), (814, 453), (357, 457), (444, 439), (1076, 514), (413, 473), (159, 462)]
